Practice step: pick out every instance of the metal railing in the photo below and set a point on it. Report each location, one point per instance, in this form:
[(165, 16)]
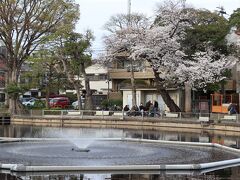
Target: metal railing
[(200, 117)]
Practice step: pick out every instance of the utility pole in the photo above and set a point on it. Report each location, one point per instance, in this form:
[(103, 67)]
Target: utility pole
[(134, 101), (129, 11)]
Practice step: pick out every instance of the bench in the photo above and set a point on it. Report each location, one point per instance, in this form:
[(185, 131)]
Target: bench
[(171, 115), (102, 113), (119, 114), (73, 113), (203, 119), (229, 117)]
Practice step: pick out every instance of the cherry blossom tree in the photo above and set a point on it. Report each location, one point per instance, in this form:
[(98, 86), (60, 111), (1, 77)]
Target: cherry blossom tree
[(118, 44), (160, 45)]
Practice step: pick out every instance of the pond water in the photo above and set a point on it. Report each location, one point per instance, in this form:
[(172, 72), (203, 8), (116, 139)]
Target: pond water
[(232, 140)]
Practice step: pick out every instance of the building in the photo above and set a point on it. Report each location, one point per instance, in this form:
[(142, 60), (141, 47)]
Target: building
[(120, 75), (99, 79), (100, 84)]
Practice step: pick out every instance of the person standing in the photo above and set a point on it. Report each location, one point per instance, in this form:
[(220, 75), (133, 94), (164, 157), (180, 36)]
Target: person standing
[(155, 108), (151, 110), (148, 104), (142, 109)]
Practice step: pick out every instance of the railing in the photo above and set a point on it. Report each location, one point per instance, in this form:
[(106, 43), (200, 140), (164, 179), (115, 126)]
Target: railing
[(5, 118), (123, 73), (144, 115)]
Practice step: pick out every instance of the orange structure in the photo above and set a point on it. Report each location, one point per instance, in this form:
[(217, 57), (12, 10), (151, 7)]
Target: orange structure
[(221, 103)]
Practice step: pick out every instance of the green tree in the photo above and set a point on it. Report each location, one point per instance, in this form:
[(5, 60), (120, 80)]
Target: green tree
[(73, 56), (234, 19), (234, 22), (77, 47), (24, 24), (207, 27), (44, 75)]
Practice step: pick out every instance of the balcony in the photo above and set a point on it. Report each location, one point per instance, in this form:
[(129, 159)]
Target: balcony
[(230, 85), (137, 86), (125, 74)]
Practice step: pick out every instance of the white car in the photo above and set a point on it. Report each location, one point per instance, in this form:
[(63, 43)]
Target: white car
[(75, 104), (30, 102)]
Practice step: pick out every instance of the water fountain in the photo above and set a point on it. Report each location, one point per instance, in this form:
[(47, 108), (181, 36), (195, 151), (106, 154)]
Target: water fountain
[(111, 154), (81, 145)]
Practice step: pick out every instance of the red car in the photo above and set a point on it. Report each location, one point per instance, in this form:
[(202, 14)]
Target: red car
[(61, 102)]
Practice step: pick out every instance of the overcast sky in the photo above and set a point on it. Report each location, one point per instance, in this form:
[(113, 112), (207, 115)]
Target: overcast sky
[(95, 13)]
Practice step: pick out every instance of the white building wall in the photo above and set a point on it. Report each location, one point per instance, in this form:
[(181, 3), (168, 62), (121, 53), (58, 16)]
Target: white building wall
[(127, 98), (144, 96), (101, 85)]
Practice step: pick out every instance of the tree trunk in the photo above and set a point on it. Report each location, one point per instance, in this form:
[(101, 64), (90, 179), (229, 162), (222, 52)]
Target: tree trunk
[(88, 96), (71, 79), (6, 94), (188, 98), (78, 92), (78, 96), (13, 97), (165, 95), (48, 86), (134, 101), (47, 95)]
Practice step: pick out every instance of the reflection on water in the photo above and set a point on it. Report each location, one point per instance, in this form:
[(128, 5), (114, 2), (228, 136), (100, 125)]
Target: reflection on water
[(231, 173)]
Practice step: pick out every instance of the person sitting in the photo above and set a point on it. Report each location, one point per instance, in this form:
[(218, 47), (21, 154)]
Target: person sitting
[(232, 109), (126, 108), (141, 107), (134, 111), (151, 110)]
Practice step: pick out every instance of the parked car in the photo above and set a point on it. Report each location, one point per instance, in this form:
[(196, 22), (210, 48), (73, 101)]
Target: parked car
[(75, 104), (29, 102), (61, 102), (25, 99)]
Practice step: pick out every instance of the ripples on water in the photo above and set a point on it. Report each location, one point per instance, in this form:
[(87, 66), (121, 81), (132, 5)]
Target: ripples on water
[(230, 173)]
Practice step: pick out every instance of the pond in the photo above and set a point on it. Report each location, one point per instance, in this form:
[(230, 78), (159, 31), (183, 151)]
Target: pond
[(232, 140)]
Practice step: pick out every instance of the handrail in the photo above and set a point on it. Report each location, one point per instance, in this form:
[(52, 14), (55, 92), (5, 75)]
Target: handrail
[(208, 117)]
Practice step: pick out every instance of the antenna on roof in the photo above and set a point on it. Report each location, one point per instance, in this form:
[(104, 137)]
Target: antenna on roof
[(129, 7), (221, 11), (129, 12)]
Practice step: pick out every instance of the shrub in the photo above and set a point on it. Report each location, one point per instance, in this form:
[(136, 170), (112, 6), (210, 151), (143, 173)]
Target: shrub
[(112, 103)]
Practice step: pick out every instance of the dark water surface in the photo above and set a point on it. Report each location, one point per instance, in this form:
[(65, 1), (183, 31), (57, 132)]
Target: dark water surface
[(228, 173)]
